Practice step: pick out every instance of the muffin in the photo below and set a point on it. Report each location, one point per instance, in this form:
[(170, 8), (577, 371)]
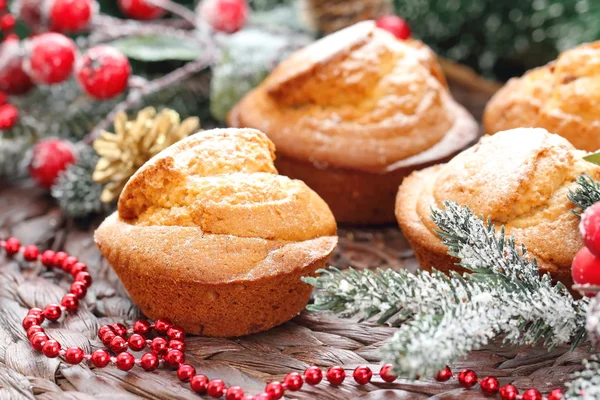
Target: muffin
[(209, 236), (519, 179), (562, 97), (353, 114)]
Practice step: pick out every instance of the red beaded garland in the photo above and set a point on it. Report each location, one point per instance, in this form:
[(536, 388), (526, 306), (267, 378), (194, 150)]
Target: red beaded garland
[(136, 342), (159, 346), (119, 329), (48, 258), (52, 312), (174, 358), (275, 389), (199, 384), (362, 375), (335, 375), (107, 338), (59, 258), (103, 329), (444, 374), (508, 392), (262, 396), (76, 268), (234, 393), (12, 246), (29, 321), (556, 394), (215, 388), (293, 381), (531, 394), (33, 330), (185, 372), (68, 263), (118, 344), (38, 340), (386, 373), (70, 302), (141, 327), (100, 358), (467, 378), (51, 348), (125, 361), (78, 289), (31, 252), (74, 355), (489, 385), (313, 375), (162, 326), (83, 277), (149, 362), (177, 345), (175, 333)]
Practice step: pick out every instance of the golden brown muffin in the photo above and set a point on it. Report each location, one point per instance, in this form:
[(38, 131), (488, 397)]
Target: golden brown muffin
[(562, 97), (353, 114), (209, 236), (520, 179)]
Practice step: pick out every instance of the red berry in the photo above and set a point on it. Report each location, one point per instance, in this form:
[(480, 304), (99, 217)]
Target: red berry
[(159, 346), (3, 5), (590, 228), (234, 393), (118, 344), (13, 79), (141, 326), (467, 378), (215, 388), (103, 72), (74, 355), (531, 394), (50, 158), (293, 381), (51, 58), (313, 375), (38, 340), (395, 25), (33, 330), (444, 374), (100, 358), (336, 375), (70, 302), (78, 289), (185, 372), (225, 15), (586, 268), (31, 252), (12, 246), (9, 115), (3, 96), (30, 12), (556, 394), (508, 392), (136, 342), (199, 384), (489, 385), (362, 375), (174, 358), (149, 362), (7, 22), (51, 348), (275, 389), (140, 9), (52, 312), (125, 361), (70, 15)]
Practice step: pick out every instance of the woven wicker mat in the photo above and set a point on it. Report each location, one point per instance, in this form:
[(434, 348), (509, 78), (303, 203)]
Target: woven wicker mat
[(309, 339)]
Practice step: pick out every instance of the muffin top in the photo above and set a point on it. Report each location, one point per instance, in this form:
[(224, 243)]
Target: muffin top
[(358, 98), (563, 97)]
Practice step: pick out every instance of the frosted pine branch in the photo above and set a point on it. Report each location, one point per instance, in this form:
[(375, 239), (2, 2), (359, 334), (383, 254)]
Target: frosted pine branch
[(586, 385), (587, 192)]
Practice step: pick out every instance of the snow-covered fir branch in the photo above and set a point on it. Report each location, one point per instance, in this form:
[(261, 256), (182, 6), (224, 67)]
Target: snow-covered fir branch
[(586, 193), (586, 385), (442, 317)]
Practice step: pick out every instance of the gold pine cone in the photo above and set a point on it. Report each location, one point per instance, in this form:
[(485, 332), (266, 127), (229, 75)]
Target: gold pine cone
[(328, 16), (135, 142)]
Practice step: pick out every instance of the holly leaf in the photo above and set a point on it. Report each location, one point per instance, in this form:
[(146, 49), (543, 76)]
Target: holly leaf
[(594, 158), (158, 48)]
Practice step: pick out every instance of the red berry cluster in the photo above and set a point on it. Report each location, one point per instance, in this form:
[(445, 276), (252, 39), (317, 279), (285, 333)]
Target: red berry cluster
[(165, 345), (7, 21), (586, 264), (49, 158), (72, 16), (227, 16), (140, 9), (395, 25)]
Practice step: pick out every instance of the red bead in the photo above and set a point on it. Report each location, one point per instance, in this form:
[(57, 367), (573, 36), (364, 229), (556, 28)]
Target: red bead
[(136, 342), (140, 9), (362, 375), (33, 330), (225, 15), (149, 362), (52, 312), (38, 340), (531, 394), (118, 344), (84, 277), (70, 15), (70, 302), (293, 381), (215, 388), (177, 345), (336, 375), (141, 327), (444, 374), (49, 158), (29, 321), (12, 246), (120, 329), (13, 79), (467, 378), (489, 385), (386, 373), (185, 372), (35, 311), (78, 289), (51, 348), (586, 268), (162, 326), (107, 338), (174, 358), (48, 258), (68, 263), (175, 333), (2, 5), (508, 392), (74, 355), (31, 252), (60, 256), (313, 375), (7, 22), (103, 72), (590, 229), (556, 394), (77, 268), (104, 329), (199, 384), (9, 115), (159, 346), (275, 389), (100, 358), (125, 361), (51, 58), (395, 25), (234, 393)]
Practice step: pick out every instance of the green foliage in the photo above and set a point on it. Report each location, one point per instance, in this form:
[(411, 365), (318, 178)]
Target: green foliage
[(586, 193), (14, 156), (159, 48)]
